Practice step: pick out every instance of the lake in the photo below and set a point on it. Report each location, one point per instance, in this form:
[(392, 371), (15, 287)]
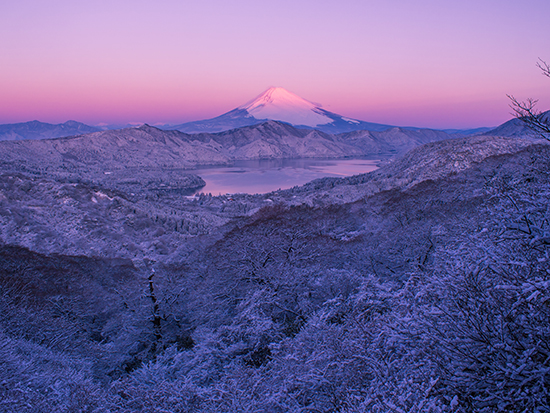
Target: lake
[(262, 176)]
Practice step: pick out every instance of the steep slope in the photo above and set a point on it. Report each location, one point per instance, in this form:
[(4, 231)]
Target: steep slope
[(41, 130), (281, 105)]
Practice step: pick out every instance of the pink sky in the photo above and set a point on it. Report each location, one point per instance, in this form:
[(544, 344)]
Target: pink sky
[(431, 63)]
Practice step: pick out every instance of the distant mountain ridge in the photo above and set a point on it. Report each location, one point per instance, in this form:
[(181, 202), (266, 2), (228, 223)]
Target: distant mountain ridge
[(41, 130), (275, 104), (149, 147)]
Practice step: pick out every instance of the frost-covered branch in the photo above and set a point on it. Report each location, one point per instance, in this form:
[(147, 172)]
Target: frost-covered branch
[(544, 67), (538, 122)]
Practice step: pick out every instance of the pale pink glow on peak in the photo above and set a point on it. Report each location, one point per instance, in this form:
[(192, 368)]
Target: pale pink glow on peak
[(277, 103), (423, 63)]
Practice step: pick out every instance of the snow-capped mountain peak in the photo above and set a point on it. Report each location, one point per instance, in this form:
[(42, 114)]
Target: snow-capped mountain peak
[(277, 103)]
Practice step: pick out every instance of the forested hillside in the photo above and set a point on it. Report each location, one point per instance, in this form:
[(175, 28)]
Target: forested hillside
[(422, 286)]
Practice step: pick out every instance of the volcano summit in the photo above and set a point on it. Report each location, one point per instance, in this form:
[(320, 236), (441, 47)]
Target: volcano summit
[(277, 103)]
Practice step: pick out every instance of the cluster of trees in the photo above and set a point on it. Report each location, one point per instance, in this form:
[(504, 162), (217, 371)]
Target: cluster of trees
[(431, 299)]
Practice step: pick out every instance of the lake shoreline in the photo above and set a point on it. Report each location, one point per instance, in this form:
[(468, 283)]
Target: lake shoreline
[(267, 175)]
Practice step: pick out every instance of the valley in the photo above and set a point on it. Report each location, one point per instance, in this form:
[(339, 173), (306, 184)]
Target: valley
[(121, 293)]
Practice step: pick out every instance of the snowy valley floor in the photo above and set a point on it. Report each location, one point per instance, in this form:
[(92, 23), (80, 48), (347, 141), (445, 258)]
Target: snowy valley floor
[(422, 286)]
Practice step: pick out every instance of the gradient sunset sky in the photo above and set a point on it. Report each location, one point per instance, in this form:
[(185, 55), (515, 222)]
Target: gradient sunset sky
[(427, 63)]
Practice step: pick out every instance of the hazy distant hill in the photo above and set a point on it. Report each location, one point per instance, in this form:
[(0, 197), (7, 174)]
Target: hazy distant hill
[(513, 128), (467, 132), (398, 140), (41, 130)]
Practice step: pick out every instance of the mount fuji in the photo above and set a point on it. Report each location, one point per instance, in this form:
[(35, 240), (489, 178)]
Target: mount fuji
[(278, 104)]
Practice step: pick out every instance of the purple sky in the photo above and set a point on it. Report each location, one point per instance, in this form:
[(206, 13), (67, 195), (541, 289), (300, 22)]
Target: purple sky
[(432, 63)]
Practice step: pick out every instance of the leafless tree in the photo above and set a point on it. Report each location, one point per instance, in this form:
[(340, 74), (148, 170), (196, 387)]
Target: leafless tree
[(538, 122)]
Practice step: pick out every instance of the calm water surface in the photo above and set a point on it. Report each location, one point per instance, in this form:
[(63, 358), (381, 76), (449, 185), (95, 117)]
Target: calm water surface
[(261, 176)]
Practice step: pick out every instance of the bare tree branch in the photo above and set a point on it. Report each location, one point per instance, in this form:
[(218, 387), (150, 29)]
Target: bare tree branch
[(538, 122), (545, 67)]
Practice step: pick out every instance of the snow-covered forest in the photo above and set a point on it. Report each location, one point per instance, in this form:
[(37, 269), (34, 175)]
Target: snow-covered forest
[(422, 286)]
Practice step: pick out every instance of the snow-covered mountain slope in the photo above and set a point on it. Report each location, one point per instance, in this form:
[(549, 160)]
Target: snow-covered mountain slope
[(273, 139), (514, 127), (150, 147), (397, 140), (42, 130), (281, 105), (511, 128), (277, 103), (143, 147)]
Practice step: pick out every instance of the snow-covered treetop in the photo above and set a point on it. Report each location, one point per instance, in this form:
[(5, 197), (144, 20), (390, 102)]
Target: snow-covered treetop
[(277, 103)]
